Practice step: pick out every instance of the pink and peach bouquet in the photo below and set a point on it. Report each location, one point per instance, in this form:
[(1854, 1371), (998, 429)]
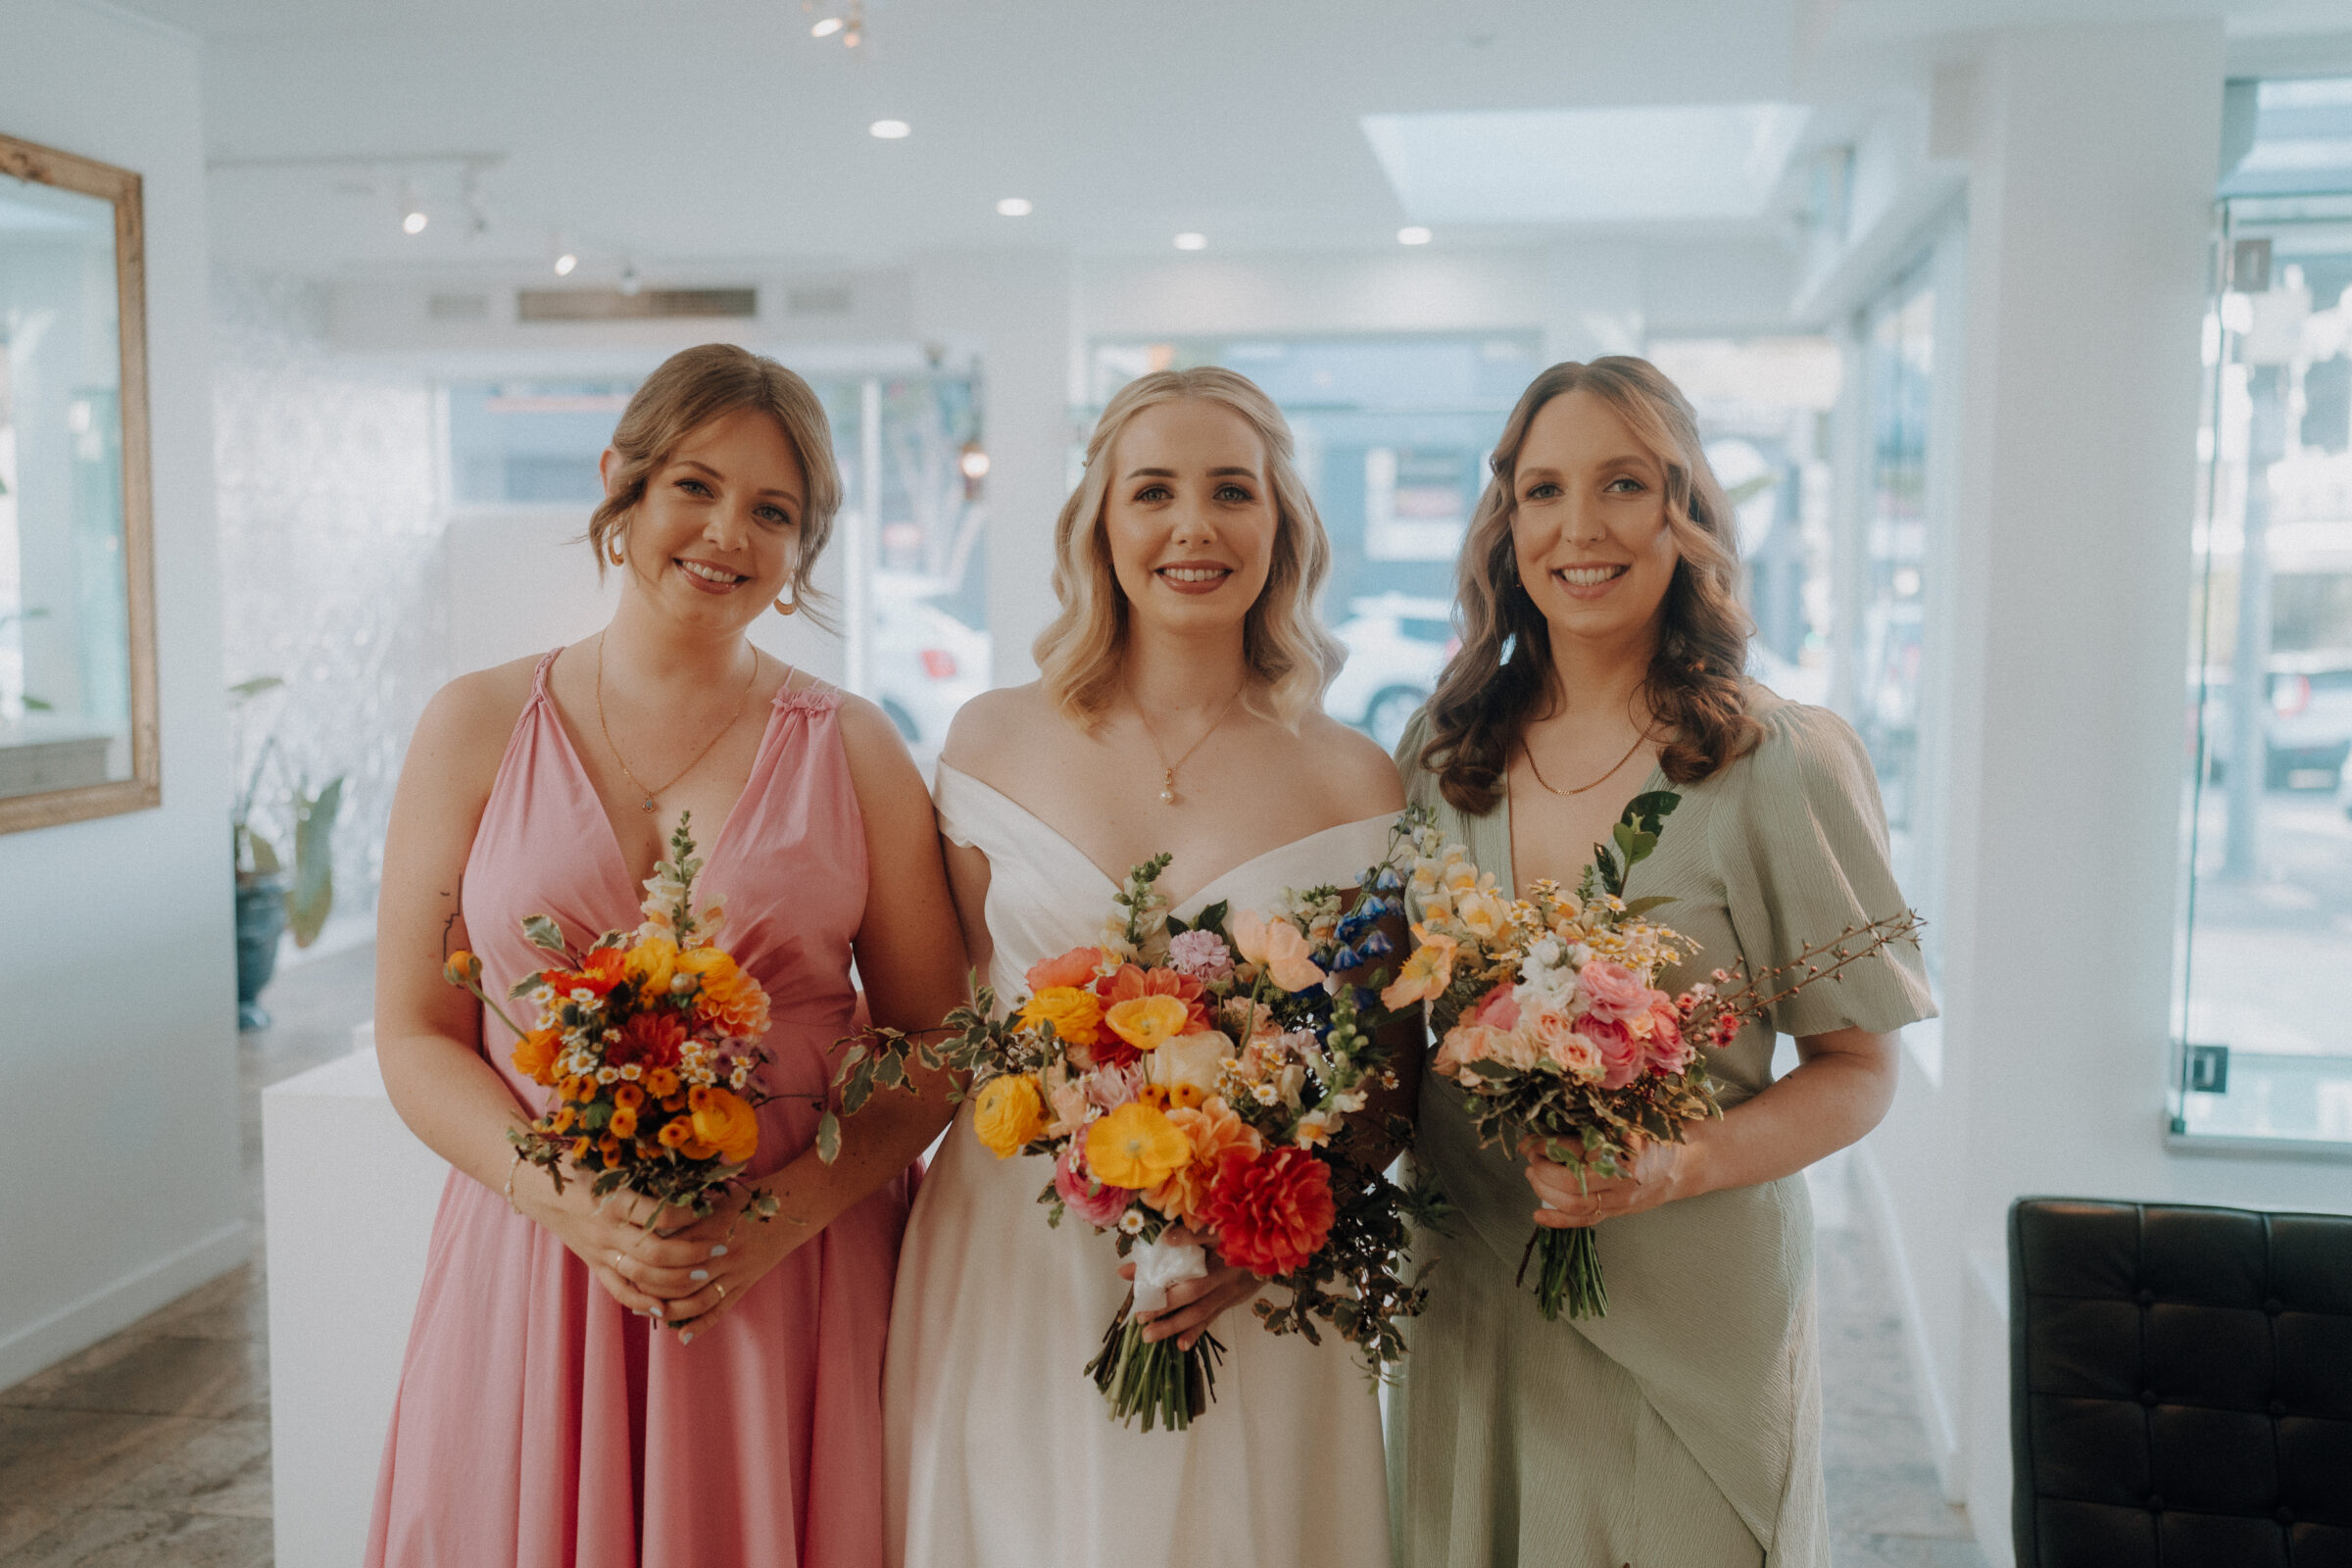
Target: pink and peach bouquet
[(1552, 1019), (1193, 1087)]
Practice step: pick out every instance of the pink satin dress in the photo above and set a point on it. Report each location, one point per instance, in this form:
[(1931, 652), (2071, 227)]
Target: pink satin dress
[(540, 1423)]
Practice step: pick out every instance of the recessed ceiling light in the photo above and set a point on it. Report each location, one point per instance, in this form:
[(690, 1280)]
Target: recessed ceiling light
[(826, 27), (1013, 207), (1413, 234), (413, 221), (564, 263), (1192, 242), (890, 130)]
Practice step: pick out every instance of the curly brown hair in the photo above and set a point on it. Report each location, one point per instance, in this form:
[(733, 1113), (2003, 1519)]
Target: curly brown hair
[(1501, 677)]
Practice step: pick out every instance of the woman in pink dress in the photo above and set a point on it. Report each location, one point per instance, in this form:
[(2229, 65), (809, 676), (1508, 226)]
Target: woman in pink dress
[(545, 1418)]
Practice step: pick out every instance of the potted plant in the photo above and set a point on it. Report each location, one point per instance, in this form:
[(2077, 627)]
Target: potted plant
[(272, 897)]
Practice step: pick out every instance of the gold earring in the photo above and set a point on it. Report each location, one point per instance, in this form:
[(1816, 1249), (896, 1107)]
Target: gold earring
[(783, 609), (615, 554)]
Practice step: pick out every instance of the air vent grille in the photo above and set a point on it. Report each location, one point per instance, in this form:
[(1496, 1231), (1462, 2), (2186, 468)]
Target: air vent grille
[(611, 305)]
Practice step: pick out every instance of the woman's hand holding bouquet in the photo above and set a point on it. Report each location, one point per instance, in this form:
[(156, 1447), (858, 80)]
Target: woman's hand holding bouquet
[(1552, 1022), (651, 1041), (1193, 1087)]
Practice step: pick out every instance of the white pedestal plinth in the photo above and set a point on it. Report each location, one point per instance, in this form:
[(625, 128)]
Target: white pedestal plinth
[(350, 1195)]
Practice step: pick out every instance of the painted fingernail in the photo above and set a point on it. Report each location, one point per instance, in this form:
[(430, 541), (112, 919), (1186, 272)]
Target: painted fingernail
[(719, 1251), (700, 1274), (685, 1336)]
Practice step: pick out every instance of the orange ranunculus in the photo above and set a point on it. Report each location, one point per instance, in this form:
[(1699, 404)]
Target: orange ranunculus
[(650, 963), (535, 1054), (462, 968), (1136, 1147), (660, 1083), (1073, 968), (1075, 1015), (731, 1001), (1212, 1130), (598, 972), (624, 1121), (1145, 1022), (726, 1122), (1131, 981)]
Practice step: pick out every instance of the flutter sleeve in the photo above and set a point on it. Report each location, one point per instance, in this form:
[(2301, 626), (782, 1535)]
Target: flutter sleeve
[(1803, 860)]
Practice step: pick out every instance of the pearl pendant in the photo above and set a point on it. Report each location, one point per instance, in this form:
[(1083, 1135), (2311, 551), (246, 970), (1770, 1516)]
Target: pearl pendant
[(1167, 787), (1167, 797)]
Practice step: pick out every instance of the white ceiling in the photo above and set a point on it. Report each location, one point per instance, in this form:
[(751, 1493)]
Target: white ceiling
[(695, 132)]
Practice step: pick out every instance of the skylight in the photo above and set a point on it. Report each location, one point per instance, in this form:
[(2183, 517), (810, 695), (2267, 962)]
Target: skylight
[(1586, 166)]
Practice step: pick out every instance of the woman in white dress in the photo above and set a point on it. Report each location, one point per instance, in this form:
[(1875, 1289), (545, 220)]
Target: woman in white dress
[(1177, 711)]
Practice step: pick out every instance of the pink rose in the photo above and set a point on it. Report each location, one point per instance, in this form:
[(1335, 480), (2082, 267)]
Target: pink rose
[(1497, 1010), (1669, 1051), (1620, 1053), (1612, 991), (1100, 1208), (1109, 1088), (1567, 1050)]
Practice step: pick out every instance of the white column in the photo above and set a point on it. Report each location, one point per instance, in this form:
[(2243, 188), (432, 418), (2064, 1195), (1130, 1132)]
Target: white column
[(1015, 308)]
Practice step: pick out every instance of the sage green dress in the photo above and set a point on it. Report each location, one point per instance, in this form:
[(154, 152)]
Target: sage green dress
[(1683, 1430)]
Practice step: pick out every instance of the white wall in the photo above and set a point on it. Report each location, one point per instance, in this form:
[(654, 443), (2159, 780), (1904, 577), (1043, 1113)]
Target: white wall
[(118, 1045), (2091, 156)]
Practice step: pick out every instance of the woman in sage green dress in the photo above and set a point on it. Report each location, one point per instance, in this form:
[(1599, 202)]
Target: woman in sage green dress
[(1601, 656)]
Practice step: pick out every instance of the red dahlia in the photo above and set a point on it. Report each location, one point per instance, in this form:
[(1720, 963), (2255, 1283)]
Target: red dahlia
[(648, 1040), (1271, 1212)]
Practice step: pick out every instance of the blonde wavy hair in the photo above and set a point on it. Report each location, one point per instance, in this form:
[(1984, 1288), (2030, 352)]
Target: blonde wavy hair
[(1079, 656), (695, 386), (1501, 677)]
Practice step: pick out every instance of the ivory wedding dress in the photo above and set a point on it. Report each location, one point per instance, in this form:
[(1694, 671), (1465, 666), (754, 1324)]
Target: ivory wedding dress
[(1001, 1453)]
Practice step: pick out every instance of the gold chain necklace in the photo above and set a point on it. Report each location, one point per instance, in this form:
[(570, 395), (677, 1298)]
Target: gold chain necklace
[(647, 804), (1168, 770), (1529, 754)]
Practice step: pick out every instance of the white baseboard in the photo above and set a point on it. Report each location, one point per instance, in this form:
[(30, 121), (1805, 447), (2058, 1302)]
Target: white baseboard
[(78, 1325), (1935, 1412)]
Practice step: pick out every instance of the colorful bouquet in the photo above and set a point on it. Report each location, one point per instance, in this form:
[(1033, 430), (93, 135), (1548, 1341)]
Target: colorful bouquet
[(650, 1039), (1552, 1019), (1200, 1077)]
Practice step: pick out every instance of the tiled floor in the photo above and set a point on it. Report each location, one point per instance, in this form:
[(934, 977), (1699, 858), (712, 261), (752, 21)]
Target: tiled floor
[(152, 1447)]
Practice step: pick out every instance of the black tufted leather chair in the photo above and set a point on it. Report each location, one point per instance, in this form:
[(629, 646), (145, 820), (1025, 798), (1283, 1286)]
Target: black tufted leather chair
[(2179, 1386)]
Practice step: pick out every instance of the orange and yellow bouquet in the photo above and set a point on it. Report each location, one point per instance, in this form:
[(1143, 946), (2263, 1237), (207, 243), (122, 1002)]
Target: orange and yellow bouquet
[(651, 1041), (1191, 1086), (1552, 1020)]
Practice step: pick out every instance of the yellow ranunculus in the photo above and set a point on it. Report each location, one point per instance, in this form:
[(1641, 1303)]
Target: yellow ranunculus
[(1075, 1013), (650, 963), (1136, 1147), (1009, 1114), (1145, 1021), (726, 1122), (1426, 974)]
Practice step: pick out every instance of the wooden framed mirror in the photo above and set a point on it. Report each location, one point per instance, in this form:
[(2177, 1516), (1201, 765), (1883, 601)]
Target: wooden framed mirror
[(77, 687)]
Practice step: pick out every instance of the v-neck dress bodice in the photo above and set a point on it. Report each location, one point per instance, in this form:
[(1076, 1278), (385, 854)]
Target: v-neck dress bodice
[(538, 1421), (1002, 1455)]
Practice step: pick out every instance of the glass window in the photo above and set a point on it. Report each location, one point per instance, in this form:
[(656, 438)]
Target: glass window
[(1392, 437), (1890, 636), (2267, 711)]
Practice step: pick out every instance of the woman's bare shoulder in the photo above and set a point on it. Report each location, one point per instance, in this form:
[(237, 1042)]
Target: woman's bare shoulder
[(1356, 776), (996, 729), (465, 727)]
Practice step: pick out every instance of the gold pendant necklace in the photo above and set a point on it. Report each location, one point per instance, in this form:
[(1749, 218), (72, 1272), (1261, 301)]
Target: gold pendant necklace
[(647, 804), (1528, 753), (1168, 770)]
